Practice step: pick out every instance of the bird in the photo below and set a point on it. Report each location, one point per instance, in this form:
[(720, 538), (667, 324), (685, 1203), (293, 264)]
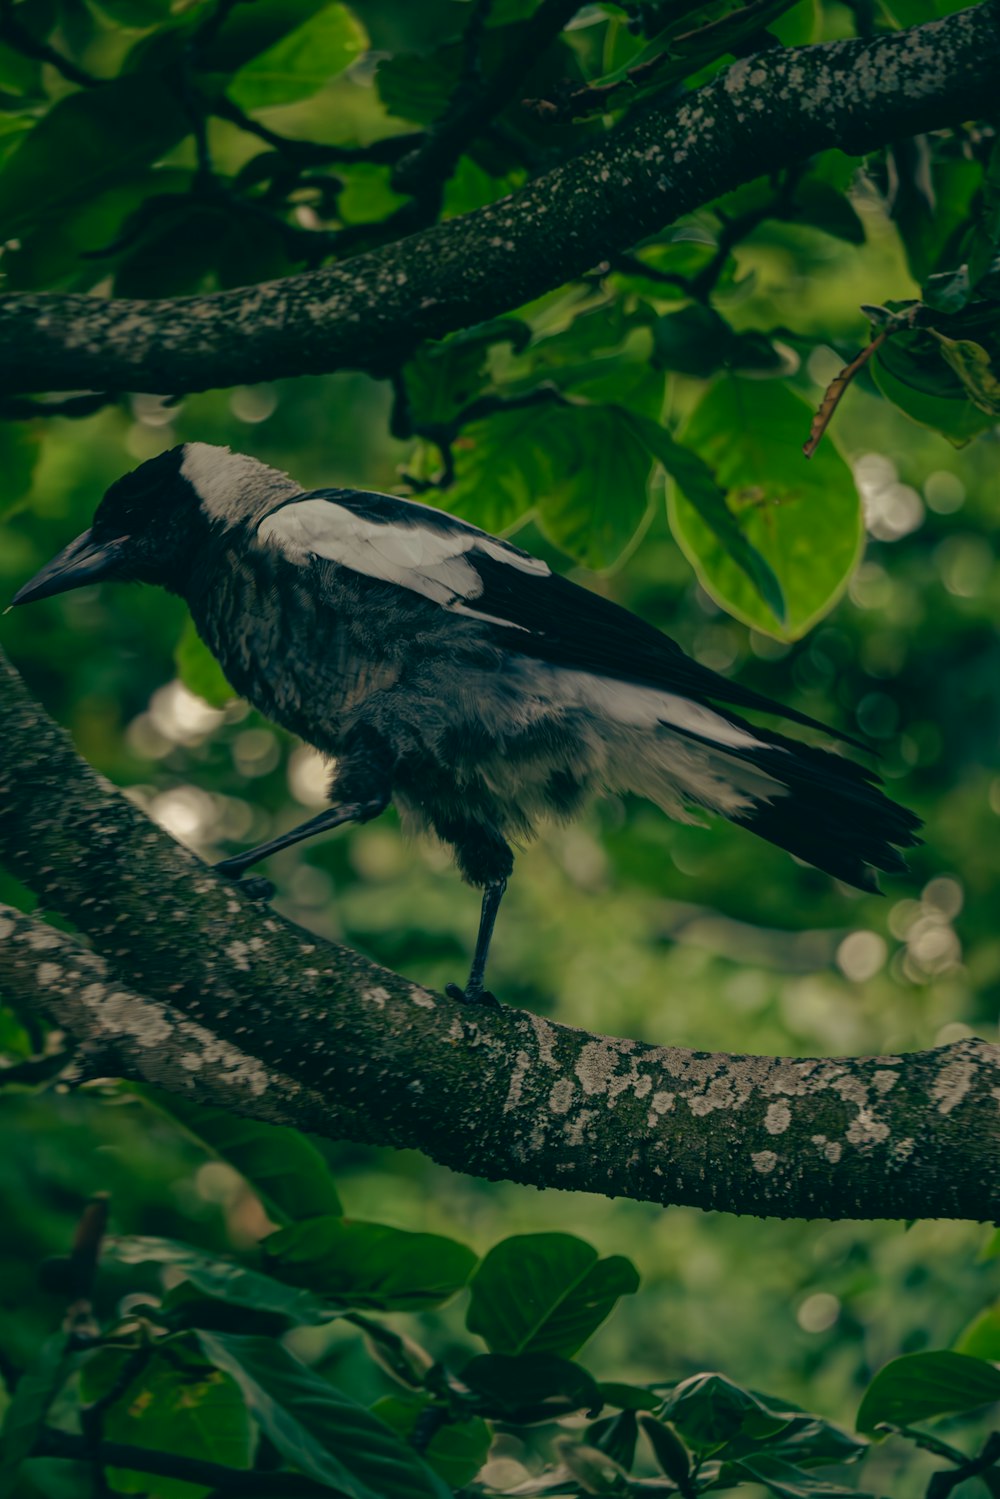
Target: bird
[(457, 676)]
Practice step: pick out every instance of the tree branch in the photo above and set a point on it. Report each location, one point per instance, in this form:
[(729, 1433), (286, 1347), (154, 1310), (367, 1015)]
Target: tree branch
[(197, 989), (762, 114)]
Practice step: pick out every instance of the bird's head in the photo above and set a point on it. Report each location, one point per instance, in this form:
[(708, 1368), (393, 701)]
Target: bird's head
[(152, 522)]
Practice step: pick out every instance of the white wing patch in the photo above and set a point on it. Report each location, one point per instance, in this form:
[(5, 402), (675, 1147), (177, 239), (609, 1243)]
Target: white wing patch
[(430, 561)]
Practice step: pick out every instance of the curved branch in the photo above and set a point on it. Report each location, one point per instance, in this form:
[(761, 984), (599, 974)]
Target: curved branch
[(760, 115), (267, 1019)]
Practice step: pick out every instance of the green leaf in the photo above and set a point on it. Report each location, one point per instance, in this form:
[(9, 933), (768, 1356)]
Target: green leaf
[(919, 1385), (696, 479), (973, 366), (803, 517), (222, 1279), (88, 141), (527, 1388), (598, 497), (456, 1452), (545, 1293), (199, 670), (581, 468), (285, 1169), (444, 377), (789, 1482), (369, 1264), (822, 206), (628, 1397), (693, 341), (981, 1339), (317, 1428), (194, 1412), (929, 395), (616, 1436), (668, 1449), (25, 1415), (710, 1411), (20, 446), (300, 63)]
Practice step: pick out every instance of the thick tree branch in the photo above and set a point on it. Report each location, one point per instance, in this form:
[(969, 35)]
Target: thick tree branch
[(198, 989), (762, 114)]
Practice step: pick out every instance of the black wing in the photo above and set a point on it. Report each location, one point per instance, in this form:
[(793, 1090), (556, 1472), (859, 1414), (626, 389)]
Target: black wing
[(521, 603)]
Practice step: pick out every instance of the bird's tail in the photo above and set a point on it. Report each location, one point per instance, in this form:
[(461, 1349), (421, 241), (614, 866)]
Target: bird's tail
[(816, 804), (830, 811)]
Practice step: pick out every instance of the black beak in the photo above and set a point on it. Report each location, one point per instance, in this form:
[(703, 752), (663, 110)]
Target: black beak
[(83, 561)]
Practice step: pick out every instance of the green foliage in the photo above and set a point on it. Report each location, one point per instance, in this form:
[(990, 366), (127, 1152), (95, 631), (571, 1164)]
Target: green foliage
[(348, 1354)]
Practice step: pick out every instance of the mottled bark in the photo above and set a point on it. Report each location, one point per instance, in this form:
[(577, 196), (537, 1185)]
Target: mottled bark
[(761, 114), (197, 990)]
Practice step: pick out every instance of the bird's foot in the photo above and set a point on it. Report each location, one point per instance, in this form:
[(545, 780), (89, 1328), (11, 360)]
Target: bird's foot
[(472, 996), (254, 887)]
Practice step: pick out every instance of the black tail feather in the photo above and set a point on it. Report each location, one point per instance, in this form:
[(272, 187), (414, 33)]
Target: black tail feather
[(833, 814)]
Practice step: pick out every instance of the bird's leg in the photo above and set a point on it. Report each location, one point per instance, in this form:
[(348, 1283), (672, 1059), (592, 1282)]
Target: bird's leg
[(474, 993), (360, 791), (333, 817)]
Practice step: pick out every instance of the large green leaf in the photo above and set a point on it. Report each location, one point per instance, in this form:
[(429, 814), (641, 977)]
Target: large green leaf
[(25, 1415), (86, 142), (920, 1385), (302, 62), (317, 1428), (545, 1293), (369, 1264), (802, 516), (285, 1169), (222, 1279), (191, 1411)]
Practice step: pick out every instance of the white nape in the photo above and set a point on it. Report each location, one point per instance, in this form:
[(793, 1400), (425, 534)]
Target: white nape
[(231, 486)]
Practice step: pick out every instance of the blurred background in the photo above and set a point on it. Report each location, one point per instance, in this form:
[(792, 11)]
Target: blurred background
[(623, 922)]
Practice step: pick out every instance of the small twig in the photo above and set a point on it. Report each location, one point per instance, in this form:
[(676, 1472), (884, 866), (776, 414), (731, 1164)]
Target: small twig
[(32, 1070), (594, 96), (22, 409), (444, 434), (835, 392), (475, 102), (943, 1484), (21, 40), (209, 29), (385, 152)]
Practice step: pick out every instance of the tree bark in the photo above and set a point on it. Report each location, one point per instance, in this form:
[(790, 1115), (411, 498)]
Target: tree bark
[(760, 115), (195, 989)]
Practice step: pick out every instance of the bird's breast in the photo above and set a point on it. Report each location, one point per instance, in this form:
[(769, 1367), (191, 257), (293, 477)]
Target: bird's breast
[(293, 655)]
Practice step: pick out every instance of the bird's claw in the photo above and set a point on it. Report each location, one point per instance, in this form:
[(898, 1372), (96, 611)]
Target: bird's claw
[(254, 887), (473, 997)]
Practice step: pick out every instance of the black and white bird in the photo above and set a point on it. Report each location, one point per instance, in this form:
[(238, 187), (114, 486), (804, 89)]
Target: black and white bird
[(457, 676)]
